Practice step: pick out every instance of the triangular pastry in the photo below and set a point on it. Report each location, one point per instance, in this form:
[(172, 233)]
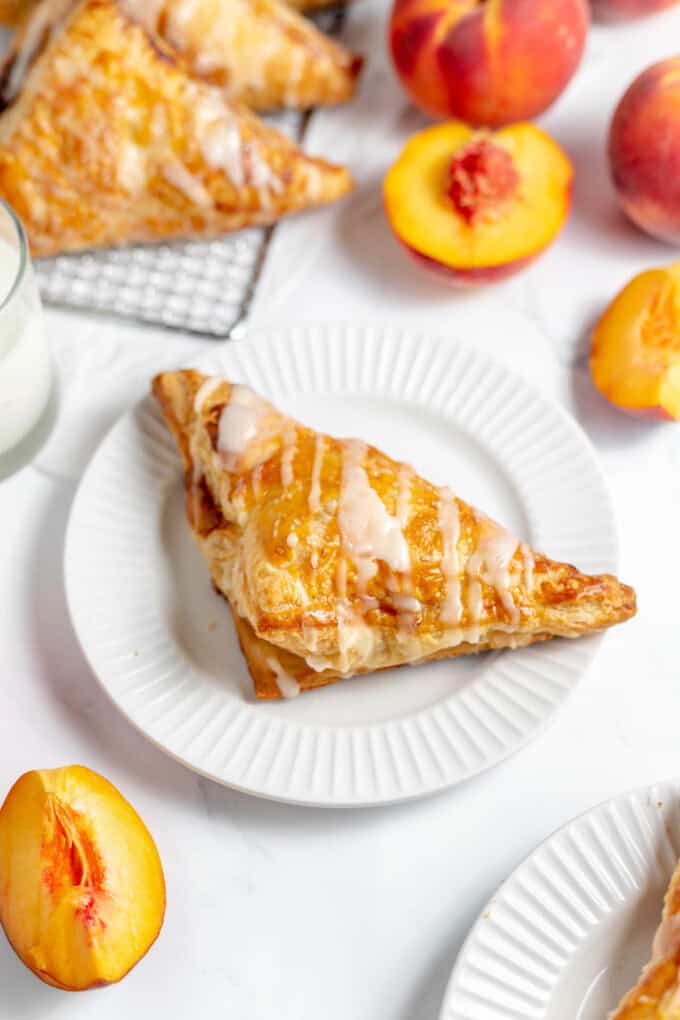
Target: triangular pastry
[(656, 996), (260, 52), (105, 139), (12, 11), (337, 560)]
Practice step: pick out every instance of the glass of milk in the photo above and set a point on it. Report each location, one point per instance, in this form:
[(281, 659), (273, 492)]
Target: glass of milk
[(25, 366)]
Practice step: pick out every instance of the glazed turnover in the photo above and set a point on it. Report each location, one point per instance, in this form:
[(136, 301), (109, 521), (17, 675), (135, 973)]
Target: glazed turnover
[(656, 996), (12, 11), (106, 138), (337, 560)]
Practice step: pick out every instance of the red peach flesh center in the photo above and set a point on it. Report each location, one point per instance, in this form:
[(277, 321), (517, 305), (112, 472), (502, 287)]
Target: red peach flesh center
[(481, 178)]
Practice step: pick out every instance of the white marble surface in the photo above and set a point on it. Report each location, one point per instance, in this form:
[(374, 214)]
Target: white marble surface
[(298, 914)]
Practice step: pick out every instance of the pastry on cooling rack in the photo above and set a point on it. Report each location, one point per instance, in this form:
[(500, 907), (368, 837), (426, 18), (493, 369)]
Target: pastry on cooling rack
[(11, 11), (337, 560), (105, 139), (656, 996), (261, 52)]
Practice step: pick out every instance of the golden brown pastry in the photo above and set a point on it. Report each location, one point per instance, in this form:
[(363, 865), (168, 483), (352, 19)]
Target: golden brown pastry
[(105, 139), (656, 996), (260, 52), (11, 11), (337, 560)]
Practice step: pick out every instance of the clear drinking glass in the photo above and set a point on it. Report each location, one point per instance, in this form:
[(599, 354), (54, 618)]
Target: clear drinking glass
[(26, 376)]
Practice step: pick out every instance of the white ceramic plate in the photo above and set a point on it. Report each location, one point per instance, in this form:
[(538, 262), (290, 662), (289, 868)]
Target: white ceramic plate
[(569, 932), (162, 643)]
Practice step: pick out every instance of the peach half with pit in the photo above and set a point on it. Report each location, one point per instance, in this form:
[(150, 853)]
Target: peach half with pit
[(644, 151), (487, 62), (477, 206), (635, 349), (82, 893)]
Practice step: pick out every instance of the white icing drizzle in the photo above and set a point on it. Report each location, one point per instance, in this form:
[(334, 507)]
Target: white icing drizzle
[(404, 495), (367, 531), (490, 562), (238, 424), (527, 568), (131, 168), (287, 685), (181, 13), (219, 138), (257, 482), (205, 390), (406, 603), (314, 499), (262, 177), (187, 183), (314, 560), (287, 454), (449, 524), (292, 540)]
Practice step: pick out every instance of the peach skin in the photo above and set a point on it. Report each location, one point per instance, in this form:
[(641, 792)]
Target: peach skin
[(635, 349), (82, 894), (644, 151), (488, 62), (477, 206), (621, 10)]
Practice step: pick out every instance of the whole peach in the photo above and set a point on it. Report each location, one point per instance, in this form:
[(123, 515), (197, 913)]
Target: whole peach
[(620, 10), (644, 150), (487, 62)]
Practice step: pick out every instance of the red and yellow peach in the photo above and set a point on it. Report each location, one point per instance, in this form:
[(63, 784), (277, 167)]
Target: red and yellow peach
[(644, 150), (477, 206), (488, 62)]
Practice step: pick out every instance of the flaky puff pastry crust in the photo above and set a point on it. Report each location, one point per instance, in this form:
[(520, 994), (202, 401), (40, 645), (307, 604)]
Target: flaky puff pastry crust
[(12, 11), (656, 996), (261, 52), (105, 139), (284, 518)]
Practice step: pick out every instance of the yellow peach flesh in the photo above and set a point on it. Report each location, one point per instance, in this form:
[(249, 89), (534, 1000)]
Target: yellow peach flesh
[(422, 215), (82, 893), (635, 353)]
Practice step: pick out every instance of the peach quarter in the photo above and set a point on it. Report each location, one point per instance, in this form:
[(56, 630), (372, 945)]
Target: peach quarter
[(635, 348), (477, 206), (82, 893), (487, 62), (644, 151)]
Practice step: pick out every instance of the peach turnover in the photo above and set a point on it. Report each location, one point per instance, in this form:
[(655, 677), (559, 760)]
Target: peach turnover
[(82, 894), (488, 62), (644, 150), (635, 352), (477, 206)]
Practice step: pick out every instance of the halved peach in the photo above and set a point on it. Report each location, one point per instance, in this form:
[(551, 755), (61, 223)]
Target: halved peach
[(82, 894), (635, 352), (477, 206)]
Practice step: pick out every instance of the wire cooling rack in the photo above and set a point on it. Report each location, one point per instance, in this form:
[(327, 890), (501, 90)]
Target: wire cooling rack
[(198, 286)]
